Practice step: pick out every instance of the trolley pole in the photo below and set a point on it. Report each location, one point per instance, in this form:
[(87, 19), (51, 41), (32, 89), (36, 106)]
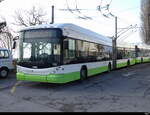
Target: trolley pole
[(114, 41)]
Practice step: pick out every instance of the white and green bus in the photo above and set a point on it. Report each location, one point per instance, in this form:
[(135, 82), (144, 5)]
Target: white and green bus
[(61, 53), (128, 54)]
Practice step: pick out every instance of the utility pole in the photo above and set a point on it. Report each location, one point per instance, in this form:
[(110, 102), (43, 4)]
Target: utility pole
[(52, 18), (114, 41)]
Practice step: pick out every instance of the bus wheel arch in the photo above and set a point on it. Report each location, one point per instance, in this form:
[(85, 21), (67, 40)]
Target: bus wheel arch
[(128, 63), (141, 60), (83, 73), (109, 66)]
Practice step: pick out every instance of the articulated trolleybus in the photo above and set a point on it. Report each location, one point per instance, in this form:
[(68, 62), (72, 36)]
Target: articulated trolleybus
[(61, 53)]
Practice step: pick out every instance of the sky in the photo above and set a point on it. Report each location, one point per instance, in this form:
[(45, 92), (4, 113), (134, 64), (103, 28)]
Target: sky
[(127, 11)]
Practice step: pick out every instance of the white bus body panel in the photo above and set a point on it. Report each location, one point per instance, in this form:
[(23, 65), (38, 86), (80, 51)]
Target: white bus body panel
[(122, 61), (62, 69)]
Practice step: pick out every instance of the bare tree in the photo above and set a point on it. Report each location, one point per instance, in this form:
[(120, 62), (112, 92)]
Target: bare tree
[(1, 0), (35, 16), (145, 17), (6, 39)]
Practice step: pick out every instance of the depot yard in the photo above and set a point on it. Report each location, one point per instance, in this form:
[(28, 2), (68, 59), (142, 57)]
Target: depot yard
[(123, 90)]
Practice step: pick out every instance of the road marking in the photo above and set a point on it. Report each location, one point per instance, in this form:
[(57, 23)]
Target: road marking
[(128, 74), (13, 89)]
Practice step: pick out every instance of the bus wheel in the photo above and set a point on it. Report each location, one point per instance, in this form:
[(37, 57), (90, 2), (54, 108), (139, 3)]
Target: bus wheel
[(3, 73), (109, 67), (128, 63), (83, 73)]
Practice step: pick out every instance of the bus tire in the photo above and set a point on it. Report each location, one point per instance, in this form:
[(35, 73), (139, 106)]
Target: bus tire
[(109, 67), (4, 72), (128, 63), (83, 73)]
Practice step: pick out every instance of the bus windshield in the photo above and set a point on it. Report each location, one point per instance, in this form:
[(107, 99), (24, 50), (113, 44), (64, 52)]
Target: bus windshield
[(40, 48)]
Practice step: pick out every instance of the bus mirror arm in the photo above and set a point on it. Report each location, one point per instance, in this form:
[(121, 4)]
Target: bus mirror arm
[(14, 45), (14, 42)]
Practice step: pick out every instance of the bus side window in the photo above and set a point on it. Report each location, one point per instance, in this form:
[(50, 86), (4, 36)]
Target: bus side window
[(66, 44), (79, 49), (69, 50), (107, 51), (1, 55), (66, 48)]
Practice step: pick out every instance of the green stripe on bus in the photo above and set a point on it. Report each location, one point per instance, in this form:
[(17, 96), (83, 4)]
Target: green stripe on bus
[(146, 60), (121, 65), (138, 60), (97, 70), (27, 77), (63, 78), (132, 62), (52, 78), (59, 78)]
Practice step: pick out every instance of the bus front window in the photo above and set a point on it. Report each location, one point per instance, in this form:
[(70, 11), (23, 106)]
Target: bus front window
[(39, 51)]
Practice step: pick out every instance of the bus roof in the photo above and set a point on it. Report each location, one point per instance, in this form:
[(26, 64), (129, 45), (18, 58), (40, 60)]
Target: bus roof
[(77, 32), (74, 31)]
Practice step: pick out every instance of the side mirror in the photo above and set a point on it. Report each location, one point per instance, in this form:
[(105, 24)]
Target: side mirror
[(14, 42), (14, 45)]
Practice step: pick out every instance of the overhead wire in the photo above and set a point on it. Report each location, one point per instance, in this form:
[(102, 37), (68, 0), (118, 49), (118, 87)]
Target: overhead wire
[(78, 10), (124, 31), (106, 9), (109, 13), (126, 36), (100, 8), (129, 9), (69, 9), (81, 16)]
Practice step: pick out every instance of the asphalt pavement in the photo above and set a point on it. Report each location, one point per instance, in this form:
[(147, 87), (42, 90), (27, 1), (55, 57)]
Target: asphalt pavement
[(123, 90)]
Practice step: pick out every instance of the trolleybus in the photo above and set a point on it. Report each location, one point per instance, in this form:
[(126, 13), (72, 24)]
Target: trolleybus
[(61, 53)]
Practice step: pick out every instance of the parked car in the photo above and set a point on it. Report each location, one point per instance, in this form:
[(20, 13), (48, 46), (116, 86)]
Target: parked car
[(6, 62)]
